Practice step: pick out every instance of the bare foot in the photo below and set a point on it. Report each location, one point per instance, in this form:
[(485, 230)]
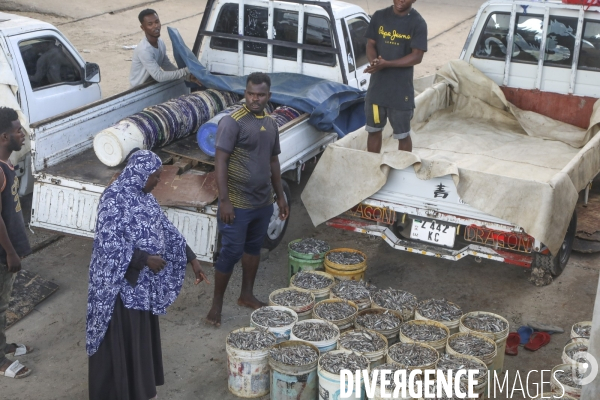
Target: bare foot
[(3, 367), (214, 317), (250, 302)]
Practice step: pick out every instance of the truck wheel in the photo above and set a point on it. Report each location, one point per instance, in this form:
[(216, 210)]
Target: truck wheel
[(277, 227), (556, 264)]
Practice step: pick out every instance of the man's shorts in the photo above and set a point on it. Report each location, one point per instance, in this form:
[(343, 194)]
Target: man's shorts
[(377, 117)]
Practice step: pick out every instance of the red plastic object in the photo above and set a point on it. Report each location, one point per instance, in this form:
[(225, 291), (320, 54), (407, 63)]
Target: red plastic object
[(538, 340), (588, 3), (512, 344)]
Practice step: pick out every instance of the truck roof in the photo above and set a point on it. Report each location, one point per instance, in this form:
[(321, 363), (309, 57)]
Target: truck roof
[(12, 24)]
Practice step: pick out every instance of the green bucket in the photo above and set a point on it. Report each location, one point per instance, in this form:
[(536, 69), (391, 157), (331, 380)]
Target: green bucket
[(304, 256), (299, 264)]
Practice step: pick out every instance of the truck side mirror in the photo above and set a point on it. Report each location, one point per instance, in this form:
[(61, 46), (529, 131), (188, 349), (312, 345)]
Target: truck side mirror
[(92, 74)]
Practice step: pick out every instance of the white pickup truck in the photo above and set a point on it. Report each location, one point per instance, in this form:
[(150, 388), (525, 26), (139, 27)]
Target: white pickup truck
[(427, 214), (320, 39)]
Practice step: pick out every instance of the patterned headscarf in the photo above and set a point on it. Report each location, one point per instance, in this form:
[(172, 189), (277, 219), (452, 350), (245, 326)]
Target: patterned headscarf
[(130, 219)]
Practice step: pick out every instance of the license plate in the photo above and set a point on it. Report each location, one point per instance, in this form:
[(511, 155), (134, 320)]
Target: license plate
[(433, 232)]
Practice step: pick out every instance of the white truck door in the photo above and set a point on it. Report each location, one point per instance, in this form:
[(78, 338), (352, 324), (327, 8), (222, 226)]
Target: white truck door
[(51, 74), (356, 26)]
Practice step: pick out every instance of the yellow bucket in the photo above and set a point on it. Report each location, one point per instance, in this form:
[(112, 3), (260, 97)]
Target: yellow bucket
[(354, 272)]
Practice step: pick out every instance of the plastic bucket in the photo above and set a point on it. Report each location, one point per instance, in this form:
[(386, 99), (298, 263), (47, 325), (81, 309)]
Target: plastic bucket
[(499, 338), (576, 338), (303, 312), (301, 264), (248, 371), (113, 144), (481, 387), (207, 133), (362, 304), (281, 333), (550, 396), (292, 382), (304, 256), (390, 334), (342, 324), (355, 272), (329, 384), (375, 357), (439, 345), (320, 294), (451, 325), (324, 345), (558, 387), (411, 367), (568, 360), (408, 314), (488, 359)]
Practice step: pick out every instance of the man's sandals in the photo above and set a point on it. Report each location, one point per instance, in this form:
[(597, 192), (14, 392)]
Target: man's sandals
[(13, 371), (20, 350)]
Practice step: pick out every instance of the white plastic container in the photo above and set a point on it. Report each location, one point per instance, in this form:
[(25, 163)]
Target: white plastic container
[(248, 371), (452, 325), (576, 338), (568, 360), (558, 387), (439, 345), (320, 294), (488, 359), (375, 357), (294, 382), (499, 338), (343, 324), (329, 384), (281, 333), (551, 396), (325, 345), (114, 144)]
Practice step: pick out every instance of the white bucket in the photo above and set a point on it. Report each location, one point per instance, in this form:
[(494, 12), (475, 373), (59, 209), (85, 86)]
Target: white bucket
[(303, 312), (281, 333), (568, 360), (375, 357), (329, 384), (377, 394), (576, 338), (408, 313), (558, 387), (452, 325), (248, 371), (324, 345), (499, 338), (412, 367), (439, 345), (488, 359), (390, 334), (294, 382), (343, 324), (551, 396), (320, 294), (481, 387), (362, 304), (113, 144)]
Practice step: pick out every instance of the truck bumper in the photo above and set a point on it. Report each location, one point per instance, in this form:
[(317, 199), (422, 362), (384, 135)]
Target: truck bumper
[(428, 249)]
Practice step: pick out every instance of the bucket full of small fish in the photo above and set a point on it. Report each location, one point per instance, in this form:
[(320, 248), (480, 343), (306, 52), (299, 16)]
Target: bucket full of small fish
[(397, 300), (247, 361), (370, 344), (572, 354), (562, 378), (337, 311), (278, 320), (306, 255), (319, 283), (346, 264), (490, 325), (472, 344), (357, 291), (553, 396), (449, 362), (386, 322), (440, 310), (323, 334), (329, 369), (389, 389), (294, 371), (299, 300), (413, 355), (432, 333), (581, 331)]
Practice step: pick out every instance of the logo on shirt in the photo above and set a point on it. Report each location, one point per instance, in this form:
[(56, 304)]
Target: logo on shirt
[(393, 35), (262, 128)]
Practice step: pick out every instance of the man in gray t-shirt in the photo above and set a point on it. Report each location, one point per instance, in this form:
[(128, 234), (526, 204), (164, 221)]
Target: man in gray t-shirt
[(150, 56)]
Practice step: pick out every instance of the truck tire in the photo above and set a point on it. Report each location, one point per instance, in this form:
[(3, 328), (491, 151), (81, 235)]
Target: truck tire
[(556, 264), (277, 227)]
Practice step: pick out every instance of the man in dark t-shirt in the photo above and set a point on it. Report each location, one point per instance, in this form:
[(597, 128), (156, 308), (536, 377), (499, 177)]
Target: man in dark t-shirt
[(248, 175), (397, 40)]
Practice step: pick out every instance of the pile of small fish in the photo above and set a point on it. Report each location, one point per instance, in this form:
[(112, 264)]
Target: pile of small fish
[(471, 345), (485, 323), (345, 257), (387, 367), (292, 298), (583, 330), (378, 321), (412, 354), (362, 341), (579, 348), (256, 339), (308, 280), (439, 310), (334, 363), (300, 354), (334, 310), (566, 378), (423, 332), (433, 389), (451, 362), (395, 299), (351, 290), (313, 331), (310, 246), (271, 318)]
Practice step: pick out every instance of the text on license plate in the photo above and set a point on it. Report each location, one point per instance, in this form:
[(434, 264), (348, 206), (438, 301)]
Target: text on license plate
[(433, 232)]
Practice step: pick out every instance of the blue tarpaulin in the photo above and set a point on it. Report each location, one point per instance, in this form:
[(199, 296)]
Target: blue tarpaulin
[(332, 106)]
